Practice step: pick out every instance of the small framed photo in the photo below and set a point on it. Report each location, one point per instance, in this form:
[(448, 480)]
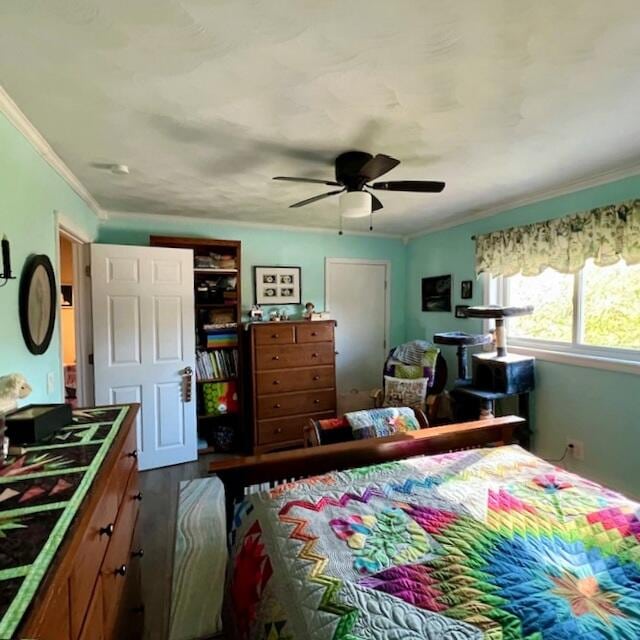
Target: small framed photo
[(277, 285), (466, 289), (461, 311)]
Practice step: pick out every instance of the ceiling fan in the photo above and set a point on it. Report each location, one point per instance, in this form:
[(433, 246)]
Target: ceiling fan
[(355, 171)]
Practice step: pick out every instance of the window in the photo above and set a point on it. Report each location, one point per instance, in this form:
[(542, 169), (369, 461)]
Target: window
[(595, 312)]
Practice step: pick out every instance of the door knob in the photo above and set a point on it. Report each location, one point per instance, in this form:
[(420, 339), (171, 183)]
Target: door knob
[(122, 570), (137, 554), (107, 531)]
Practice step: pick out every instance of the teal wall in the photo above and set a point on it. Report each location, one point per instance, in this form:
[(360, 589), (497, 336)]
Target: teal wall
[(30, 192), (599, 407), (270, 246)]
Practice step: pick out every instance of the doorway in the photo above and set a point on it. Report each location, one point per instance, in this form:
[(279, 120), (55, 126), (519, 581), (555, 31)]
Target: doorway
[(74, 318), (357, 296), (68, 322)]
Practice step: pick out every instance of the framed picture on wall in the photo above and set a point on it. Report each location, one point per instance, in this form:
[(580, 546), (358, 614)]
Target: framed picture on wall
[(436, 293), (277, 285), (461, 310), (466, 289)]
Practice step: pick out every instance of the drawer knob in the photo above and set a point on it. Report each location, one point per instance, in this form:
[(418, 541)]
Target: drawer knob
[(107, 531), (276, 382), (315, 355), (279, 430), (316, 377), (137, 554), (138, 496), (275, 358), (275, 336), (277, 405), (121, 570), (316, 401), (133, 454), (314, 333)]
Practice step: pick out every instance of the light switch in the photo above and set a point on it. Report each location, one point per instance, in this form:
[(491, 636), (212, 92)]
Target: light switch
[(51, 382)]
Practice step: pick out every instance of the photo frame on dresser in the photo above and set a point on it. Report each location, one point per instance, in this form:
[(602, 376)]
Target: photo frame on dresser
[(277, 285)]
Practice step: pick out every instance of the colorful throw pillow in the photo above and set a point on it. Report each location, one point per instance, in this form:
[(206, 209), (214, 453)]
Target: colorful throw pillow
[(400, 392), (397, 369), (375, 423)]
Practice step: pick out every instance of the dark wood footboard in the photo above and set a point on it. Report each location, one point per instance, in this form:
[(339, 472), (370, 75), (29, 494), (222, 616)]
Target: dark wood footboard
[(241, 472)]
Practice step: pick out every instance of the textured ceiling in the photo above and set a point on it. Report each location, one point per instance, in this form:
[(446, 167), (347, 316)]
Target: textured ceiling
[(207, 100)]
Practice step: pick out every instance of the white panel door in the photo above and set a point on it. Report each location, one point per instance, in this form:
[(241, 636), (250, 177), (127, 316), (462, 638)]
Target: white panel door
[(144, 340), (357, 297)]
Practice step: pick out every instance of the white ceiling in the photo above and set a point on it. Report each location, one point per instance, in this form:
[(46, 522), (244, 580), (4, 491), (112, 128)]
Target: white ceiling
[(207, 100)]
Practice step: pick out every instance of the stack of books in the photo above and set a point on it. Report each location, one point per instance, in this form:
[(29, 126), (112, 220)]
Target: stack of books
[(216, 365), (221, 338)]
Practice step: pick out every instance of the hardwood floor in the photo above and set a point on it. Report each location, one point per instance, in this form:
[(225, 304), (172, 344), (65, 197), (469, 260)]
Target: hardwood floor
[(156, 530)]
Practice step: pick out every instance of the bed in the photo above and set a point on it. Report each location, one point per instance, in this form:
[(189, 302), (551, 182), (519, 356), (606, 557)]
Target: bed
[(489, 543)]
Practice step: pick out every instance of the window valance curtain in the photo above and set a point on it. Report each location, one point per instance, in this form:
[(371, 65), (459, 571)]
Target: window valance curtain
[(605, 234)]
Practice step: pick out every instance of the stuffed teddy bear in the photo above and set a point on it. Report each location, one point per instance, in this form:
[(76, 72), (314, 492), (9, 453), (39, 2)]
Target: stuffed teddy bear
[(13, 387)]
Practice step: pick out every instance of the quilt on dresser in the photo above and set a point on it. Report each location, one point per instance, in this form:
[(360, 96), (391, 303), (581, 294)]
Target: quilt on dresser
[(483, 544)]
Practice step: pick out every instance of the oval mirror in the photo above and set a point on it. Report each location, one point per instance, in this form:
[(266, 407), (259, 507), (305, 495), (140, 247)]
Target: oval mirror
[(37, 303)]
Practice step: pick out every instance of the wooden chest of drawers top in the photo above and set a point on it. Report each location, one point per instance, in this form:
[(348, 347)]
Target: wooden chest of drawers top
[(94, 461), (292, 332)]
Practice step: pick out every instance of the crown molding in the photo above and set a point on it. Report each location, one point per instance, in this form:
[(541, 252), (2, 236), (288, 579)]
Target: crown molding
[(160, 217), (564, 189), (20, 121)]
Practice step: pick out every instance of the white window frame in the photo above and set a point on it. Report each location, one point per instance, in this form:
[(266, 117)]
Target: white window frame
[(574, 352)]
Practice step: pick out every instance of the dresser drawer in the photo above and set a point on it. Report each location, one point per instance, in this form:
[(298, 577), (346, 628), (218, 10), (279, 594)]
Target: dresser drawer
[(282, 381), (294, 355), (274, 333), (117, 561), (314, 332), (287, 429), (86, 564), (294, 403), (93, 628), (127, 459)]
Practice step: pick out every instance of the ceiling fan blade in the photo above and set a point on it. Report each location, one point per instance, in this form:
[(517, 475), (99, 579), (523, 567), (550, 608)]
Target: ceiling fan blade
[(377, 166), (331, 183), (420, 186), (375, 203), (302, 203)]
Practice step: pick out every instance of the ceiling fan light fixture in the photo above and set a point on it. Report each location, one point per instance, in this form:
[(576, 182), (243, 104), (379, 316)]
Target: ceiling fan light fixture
[(355, 204)]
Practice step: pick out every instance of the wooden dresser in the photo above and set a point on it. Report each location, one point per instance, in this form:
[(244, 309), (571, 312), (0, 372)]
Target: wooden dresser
[(83, 582), (292, 379)]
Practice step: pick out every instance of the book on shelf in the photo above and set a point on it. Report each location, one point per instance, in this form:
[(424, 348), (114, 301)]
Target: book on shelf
[(215, 365)]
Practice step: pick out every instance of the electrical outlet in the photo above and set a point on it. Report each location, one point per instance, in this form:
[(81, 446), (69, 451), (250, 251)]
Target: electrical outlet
[(577, 449), (51, 382)]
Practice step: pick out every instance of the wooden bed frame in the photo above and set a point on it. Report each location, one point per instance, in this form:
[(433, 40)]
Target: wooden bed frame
[(238, 473)]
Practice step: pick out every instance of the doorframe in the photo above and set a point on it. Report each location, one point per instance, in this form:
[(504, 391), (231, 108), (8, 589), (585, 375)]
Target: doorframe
[(81, 247), (387, 289)]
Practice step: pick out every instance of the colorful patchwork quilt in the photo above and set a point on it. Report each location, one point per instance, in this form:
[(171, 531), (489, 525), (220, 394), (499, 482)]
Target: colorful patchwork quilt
[(489, 544)]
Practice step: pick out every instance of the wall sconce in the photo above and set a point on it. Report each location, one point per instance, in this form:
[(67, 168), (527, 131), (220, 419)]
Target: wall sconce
[(6, 262)]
